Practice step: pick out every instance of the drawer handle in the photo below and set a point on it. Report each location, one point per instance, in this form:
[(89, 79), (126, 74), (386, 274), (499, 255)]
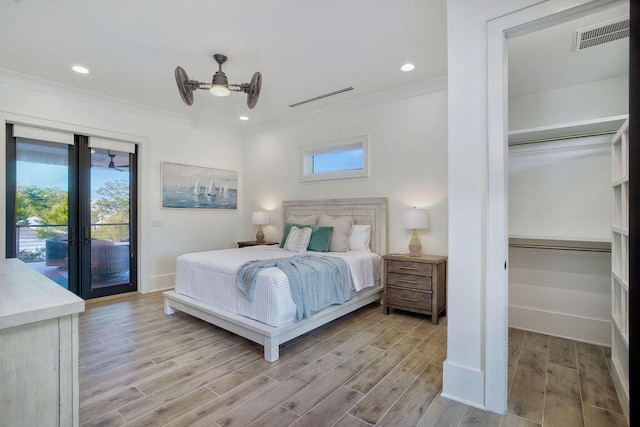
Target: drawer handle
[(413, 282), (408, 268), (408, 299)]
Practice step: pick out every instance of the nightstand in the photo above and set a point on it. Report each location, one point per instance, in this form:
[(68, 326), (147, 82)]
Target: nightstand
[(417, 284), (255, 243)]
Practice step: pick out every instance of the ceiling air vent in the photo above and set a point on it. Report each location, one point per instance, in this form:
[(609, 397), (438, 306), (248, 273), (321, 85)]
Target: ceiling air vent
[(601, 33), (326, 95)]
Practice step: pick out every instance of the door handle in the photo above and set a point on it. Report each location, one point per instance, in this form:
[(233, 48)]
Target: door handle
[(72, 237), (87, 235)]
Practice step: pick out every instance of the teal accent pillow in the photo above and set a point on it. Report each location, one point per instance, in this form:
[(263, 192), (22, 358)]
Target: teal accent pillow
[(320, 238), (287, 229)]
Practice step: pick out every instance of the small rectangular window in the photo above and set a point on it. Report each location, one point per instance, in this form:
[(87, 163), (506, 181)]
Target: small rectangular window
[(338, 161), (335, 160)]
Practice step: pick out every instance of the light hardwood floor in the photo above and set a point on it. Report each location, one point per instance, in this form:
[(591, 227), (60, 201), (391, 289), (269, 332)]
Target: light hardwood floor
[(139, 367)]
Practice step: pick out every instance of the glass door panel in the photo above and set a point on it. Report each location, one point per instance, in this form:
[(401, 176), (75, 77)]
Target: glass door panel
[(71, 210), (42, 208), (110, 218)]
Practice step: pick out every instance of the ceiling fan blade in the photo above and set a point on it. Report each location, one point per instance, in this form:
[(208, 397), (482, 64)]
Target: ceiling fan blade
[(253, 91), (186, 91)]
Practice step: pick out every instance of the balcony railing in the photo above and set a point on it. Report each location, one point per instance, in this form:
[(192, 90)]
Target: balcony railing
[(31, 238)]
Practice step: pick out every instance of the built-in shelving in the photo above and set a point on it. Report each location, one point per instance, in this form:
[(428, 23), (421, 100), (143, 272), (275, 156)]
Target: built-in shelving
[(620, 264)]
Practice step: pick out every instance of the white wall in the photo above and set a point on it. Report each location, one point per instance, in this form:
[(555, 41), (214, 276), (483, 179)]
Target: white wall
[(408, 164), (161, 137), (561, 189), (561, 293), (595, 100)]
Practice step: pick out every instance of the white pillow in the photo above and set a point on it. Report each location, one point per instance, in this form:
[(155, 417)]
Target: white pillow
[(298, 239), (360, 238), (341, 231), (302, 220)]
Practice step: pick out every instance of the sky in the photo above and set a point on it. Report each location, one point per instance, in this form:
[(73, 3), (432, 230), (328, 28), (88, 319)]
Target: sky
[(337, 161)]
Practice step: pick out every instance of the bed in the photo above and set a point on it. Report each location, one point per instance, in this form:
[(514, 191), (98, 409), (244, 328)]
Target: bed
[(273, 323)]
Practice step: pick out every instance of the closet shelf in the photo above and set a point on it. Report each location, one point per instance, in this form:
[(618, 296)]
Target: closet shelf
[(620, 181), (623, 284), (603, 126), (560, 244), (620, 230)]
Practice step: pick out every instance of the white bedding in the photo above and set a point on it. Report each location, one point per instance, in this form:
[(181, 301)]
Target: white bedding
[(210, 277)]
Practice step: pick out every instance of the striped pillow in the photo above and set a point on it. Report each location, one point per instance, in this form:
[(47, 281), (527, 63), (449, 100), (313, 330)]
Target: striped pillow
[(298, 239)]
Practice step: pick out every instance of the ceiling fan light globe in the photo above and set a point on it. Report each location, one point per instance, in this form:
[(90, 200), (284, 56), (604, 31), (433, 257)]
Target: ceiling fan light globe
[(219, 90)]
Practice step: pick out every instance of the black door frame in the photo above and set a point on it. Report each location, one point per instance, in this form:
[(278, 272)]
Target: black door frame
[(79, 216), (84, 231)]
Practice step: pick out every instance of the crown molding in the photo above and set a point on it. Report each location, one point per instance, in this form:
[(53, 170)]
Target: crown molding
[(92, 98)]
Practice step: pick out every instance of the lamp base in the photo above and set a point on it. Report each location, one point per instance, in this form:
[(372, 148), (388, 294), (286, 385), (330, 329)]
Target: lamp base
[(260, 235), (415, 248)]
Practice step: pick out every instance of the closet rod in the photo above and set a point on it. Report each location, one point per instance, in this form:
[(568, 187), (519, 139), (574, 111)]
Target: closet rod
[(560, 245)]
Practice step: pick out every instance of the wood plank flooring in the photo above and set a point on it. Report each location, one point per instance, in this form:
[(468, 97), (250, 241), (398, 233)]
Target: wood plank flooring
[(139, 367)]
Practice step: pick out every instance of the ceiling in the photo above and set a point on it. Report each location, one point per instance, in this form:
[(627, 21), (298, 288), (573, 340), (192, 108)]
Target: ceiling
[(303, 49), (546, 60)]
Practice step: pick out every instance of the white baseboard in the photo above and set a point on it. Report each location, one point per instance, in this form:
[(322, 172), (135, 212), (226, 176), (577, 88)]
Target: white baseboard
[(463, 384), (578, 328), (161, 282)]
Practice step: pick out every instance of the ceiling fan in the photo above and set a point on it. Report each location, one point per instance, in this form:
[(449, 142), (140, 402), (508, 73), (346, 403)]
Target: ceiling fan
[(219, 85), (111, 164)]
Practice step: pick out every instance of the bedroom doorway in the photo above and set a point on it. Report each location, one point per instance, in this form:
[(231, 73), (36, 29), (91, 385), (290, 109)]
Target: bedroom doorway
[(559, 196), (71, 209), (499, 30)]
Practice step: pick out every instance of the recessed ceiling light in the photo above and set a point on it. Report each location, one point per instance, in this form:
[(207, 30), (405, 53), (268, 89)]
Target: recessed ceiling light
[(407, 67), (244, 118), (80, 69)]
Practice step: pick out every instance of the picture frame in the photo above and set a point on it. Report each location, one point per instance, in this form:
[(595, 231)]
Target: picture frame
[(198, 187)]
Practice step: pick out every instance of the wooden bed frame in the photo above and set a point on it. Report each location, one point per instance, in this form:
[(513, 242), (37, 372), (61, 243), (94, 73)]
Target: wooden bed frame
[(372, 211)]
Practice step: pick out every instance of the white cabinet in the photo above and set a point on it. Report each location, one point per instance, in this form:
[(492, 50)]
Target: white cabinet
[(38, 349), (620, 265)]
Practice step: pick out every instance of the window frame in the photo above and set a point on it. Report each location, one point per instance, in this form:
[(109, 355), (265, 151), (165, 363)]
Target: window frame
[(348, 144)]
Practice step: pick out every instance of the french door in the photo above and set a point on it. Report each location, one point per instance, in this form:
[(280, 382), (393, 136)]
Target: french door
[(71, 209)]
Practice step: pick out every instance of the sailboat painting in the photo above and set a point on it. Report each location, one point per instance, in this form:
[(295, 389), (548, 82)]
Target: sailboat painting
[(197, 187)]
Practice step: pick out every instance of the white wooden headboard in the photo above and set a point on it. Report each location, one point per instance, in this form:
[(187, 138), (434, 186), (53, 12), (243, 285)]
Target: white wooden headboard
[(372, 210)]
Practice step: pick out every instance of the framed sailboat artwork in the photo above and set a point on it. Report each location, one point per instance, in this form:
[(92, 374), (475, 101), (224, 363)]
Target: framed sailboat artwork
[(197, 187)]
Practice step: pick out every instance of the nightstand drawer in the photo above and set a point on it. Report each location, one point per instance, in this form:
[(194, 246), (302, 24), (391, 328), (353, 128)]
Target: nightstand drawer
[(422, 283), (409, 299), (409, 267)]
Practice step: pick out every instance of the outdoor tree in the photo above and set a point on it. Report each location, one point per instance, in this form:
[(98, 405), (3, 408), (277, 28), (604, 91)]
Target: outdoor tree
[(111, 208), (46, 205)]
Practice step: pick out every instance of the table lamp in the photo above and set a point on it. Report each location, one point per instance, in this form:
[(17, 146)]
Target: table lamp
[(260, 218), (415, 219)]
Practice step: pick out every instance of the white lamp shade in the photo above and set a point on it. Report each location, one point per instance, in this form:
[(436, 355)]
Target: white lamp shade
[(415, 218), (260, 218), (219, 90)]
